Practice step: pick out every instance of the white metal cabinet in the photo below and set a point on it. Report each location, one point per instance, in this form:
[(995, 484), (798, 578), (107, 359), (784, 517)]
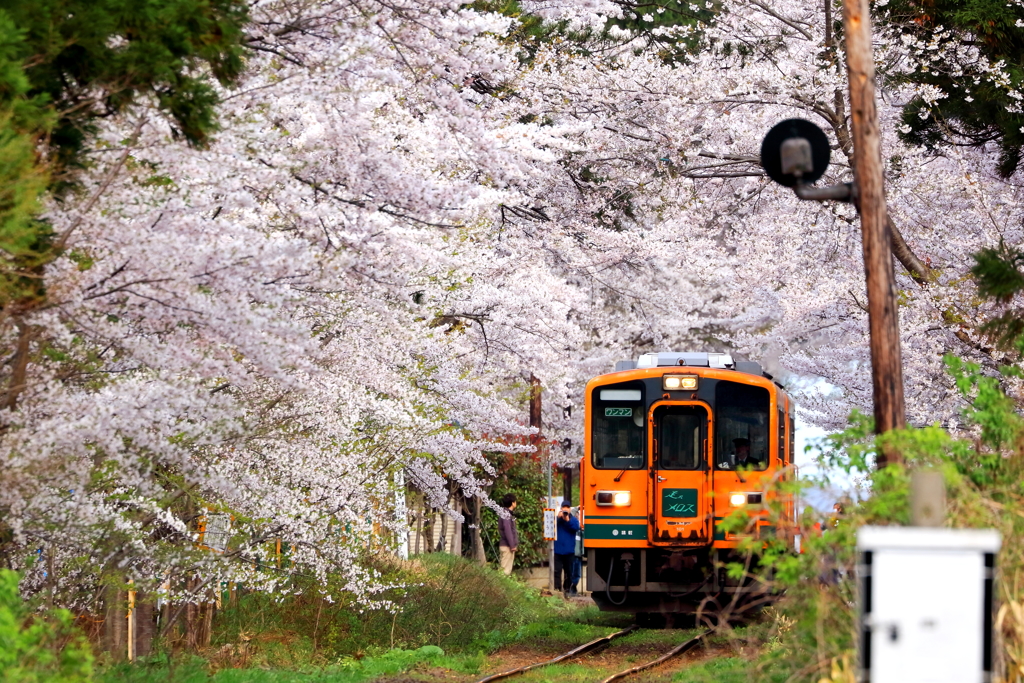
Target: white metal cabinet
[(926, 604)]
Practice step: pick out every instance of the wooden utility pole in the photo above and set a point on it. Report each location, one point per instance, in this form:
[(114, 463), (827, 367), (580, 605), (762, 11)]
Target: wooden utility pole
[(883, 319), (535, 421), (535, 413)]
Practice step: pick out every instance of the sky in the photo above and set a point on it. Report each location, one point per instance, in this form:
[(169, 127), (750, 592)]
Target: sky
[(842, 484)]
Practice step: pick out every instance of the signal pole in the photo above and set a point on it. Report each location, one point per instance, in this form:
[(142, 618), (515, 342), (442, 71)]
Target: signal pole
[(545, 454), (883, 318)]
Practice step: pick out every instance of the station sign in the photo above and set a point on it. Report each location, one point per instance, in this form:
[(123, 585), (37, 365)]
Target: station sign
[(549, 524)]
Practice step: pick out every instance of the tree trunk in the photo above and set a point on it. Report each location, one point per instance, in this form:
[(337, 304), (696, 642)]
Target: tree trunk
[(478, 540), (191, 617), (419, 525), (206, 621), (535, 404), (428, 528), (457, 534), (115, 629), (165, 617), (145, 628), (442, 542)]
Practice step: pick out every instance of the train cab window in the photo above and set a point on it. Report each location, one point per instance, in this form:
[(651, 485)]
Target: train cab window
[(680, 434), (742, 426), (618, 423)]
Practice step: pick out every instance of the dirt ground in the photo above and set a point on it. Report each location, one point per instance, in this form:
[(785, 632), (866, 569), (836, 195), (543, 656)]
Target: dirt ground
[(617, 656), (589, 667), (612, 659)]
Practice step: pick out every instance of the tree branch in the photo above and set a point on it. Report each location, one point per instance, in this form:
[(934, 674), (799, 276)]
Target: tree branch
[(920, 271)]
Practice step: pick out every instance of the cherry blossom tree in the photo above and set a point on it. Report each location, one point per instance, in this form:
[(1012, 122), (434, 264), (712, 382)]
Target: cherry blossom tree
[(410, 208)]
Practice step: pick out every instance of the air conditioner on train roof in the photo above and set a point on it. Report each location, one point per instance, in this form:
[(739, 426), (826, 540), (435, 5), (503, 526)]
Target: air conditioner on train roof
[(720, 361)]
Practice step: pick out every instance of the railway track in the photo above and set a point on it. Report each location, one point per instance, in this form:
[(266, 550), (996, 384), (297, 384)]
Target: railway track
[(597, 644), (593, 645), (674, 652)]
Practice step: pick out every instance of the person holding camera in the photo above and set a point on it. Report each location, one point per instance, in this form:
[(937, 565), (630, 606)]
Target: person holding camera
[(565, 547)]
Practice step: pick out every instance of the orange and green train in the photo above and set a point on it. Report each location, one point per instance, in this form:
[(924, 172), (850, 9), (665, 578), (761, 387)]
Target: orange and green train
[(674, 443)]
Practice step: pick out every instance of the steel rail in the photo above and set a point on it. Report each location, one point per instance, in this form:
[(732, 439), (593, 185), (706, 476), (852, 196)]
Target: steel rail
[(575, 652), (674, 652)]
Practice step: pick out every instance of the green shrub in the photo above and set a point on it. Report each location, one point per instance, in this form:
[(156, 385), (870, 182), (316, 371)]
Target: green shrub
[(525, 476), (813, 630), (443, 601), (719, 670), (43, 648), (197, 670)]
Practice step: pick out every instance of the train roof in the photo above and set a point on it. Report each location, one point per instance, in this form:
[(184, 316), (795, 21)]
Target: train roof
[(693, 359)]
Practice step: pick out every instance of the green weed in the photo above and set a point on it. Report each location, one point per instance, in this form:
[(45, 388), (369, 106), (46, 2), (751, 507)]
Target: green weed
[(197, 670), (561, 630), (439, 604), (564, 673), (811, 633), (720, 670), (659, 637), (38, 648)]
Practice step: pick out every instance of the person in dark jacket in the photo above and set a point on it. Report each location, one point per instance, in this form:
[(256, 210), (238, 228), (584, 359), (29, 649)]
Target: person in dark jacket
[(565, 547), (577, 565), (508, 534)]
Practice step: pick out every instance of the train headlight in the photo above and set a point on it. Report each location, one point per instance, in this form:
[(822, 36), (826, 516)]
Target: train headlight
[(619, 499), (738, 499), (679, 382)]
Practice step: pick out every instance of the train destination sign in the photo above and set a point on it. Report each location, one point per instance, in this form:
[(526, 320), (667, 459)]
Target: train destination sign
[(618, 412)]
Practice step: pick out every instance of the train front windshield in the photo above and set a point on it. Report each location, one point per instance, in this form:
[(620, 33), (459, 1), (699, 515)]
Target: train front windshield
[(618, 423), (680, 437), (741, 430)]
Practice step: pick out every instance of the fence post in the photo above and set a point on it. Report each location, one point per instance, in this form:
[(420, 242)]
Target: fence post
[(927, 498)]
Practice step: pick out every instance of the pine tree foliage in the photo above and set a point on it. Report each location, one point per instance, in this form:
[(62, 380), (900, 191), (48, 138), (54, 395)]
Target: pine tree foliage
[(998, 275), (973, 73), (66, 65), (90, 59)]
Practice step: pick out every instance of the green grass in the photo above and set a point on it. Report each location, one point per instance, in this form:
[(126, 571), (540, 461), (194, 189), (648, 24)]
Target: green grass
[(561, 631), (567, 629), (197, 669), (440, 605), (720, 670), (658, 642), (440, 625), (564, 673), (662, 638), (352, 647)]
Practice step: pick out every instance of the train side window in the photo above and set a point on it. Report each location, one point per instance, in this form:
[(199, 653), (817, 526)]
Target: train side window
[(742, 426), (619, 428), (782, 437), (680, 437), (792, 439)]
